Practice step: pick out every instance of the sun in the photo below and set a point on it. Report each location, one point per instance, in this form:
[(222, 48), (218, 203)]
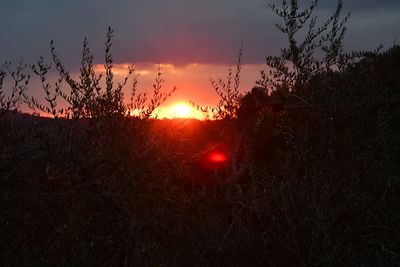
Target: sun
[(181, 110)]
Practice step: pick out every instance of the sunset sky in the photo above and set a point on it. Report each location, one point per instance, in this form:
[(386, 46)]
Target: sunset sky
[(193, 39)]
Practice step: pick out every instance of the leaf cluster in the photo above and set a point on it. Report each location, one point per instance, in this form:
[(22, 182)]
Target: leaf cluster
[(228, 92)]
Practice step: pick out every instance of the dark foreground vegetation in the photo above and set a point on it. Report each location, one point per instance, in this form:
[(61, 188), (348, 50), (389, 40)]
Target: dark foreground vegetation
[(312, 177)]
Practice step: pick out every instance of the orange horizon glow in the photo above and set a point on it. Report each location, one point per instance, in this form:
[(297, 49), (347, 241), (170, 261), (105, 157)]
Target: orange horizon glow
[(192, 80)]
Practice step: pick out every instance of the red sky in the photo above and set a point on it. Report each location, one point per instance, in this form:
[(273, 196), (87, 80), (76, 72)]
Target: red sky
[(192, 81)]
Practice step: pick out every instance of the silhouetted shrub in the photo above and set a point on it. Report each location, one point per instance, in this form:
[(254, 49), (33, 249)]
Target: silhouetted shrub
[(19, 81)]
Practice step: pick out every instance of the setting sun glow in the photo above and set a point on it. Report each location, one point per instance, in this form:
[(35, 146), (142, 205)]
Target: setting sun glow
[(180, 110)]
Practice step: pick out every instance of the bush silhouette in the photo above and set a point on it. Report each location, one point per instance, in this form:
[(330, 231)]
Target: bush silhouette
[(86, 98)]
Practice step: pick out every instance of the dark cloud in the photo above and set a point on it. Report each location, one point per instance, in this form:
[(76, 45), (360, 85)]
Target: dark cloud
[(174, 31), (357, 6)]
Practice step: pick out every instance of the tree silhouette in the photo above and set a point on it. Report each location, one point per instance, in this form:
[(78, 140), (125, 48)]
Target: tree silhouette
[(296, 64)]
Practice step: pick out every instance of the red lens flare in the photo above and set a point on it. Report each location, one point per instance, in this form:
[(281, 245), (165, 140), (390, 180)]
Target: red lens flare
[(217, 157)]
